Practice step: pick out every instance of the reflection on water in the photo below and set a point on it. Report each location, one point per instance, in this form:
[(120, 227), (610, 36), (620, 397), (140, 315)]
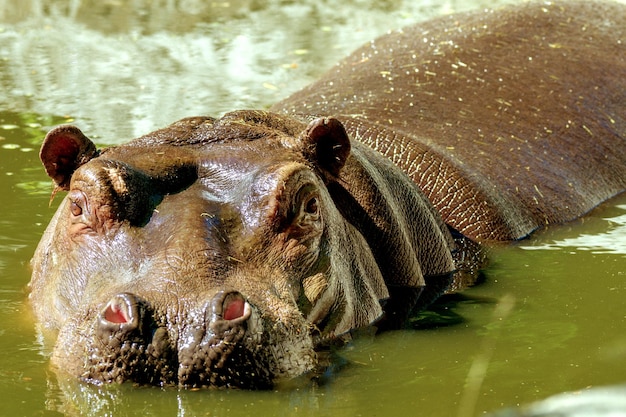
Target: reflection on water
[(591, 402), (610, 239), (120, 69)]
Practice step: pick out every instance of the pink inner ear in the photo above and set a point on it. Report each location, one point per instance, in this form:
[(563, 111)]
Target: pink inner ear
[(233, 308), (115, 315), (58, 157), (62, 148)]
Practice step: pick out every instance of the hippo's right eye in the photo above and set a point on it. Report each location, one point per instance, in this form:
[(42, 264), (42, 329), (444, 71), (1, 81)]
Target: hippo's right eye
[(79, 213), (78, 205), (76, 209)]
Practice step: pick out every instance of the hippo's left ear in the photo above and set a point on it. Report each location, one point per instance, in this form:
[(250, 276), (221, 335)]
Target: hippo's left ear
[(64, 149), (326, 144)]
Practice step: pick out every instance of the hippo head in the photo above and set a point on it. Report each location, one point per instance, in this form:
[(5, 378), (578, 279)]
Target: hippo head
[(216, 252)]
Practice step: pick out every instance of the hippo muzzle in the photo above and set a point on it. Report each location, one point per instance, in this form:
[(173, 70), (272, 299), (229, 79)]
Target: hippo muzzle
[(220, 344), (127, 328)]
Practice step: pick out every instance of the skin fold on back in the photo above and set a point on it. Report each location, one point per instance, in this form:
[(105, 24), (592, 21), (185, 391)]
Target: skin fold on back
[(505, 129)]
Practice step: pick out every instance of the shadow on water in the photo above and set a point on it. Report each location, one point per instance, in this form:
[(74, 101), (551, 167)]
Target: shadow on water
[(444, 312)]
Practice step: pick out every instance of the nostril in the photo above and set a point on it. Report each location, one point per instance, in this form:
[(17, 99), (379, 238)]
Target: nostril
[(234, 306), (122, 309), (125, 317), (229, 307), (115, 314)]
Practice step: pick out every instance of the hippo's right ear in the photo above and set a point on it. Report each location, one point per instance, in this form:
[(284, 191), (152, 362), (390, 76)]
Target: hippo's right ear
[(326, 145), (64, 149)]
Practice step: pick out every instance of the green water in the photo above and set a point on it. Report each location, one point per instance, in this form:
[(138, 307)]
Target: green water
[(550, 317)]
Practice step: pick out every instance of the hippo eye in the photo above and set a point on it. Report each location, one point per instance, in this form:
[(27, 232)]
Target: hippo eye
[(311, 206), (78, 203), (80, 220), (75, 209), (308, 204)]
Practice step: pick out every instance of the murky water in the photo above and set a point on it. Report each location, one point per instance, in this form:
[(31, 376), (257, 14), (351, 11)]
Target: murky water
[(550, 317)]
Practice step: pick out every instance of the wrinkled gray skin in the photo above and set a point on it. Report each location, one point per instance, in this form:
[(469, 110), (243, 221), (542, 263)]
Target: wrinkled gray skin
[(234, 252)]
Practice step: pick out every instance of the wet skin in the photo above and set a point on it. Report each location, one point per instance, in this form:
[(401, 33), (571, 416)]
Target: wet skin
[(235, 252)]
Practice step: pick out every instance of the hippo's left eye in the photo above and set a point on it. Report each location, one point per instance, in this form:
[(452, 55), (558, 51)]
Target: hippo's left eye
[(307, 203), (312, 206)]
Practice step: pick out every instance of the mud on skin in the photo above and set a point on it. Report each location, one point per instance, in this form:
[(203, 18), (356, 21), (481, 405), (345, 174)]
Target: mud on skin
[(234, 252)]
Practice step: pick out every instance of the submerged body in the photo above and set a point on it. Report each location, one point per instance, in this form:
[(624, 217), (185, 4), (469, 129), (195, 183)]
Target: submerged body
[(233, 252)]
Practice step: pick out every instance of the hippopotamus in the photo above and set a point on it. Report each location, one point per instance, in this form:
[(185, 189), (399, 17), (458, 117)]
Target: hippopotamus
[(238, 252)]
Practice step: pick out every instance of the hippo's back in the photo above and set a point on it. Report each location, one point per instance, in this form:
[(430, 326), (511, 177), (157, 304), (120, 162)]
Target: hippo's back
[(507, 120)]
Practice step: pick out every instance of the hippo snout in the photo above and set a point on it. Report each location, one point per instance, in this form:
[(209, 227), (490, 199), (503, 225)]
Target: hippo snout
[(204, 346), (126, 313)]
